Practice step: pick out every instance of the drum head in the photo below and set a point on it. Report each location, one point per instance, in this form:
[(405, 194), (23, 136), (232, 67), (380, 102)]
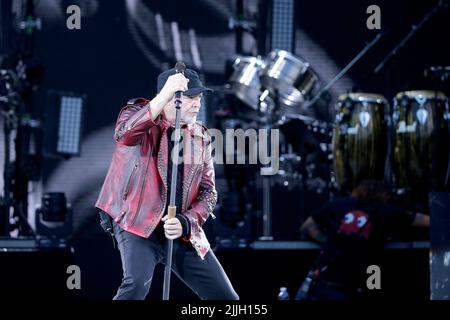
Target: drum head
[(290, 76), (245, 79)]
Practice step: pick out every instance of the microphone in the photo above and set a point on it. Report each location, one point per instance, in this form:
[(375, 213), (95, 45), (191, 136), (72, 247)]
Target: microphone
[(180, 67)]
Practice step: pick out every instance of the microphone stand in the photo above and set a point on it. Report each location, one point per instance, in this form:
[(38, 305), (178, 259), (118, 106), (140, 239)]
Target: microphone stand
[(172, 209), (413, 30), (347, 67), (267, 180)]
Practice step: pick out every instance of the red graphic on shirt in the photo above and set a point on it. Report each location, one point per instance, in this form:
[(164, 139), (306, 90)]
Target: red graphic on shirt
[(355, 223)]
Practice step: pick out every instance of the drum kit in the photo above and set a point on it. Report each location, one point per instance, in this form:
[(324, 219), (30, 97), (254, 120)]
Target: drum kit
[(273, 90), (402, 140), (281, 76), (406, 145)]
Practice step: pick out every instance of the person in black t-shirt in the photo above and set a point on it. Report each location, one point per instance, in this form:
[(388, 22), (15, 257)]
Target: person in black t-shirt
[(353, 230)]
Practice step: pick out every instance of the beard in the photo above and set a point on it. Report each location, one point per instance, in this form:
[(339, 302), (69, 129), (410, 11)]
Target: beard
[(189, 119)]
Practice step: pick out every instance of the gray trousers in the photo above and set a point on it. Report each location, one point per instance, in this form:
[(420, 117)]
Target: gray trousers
[(140, 256)]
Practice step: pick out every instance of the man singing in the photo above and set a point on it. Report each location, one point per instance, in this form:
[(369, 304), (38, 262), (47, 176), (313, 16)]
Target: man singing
[(135, 191)]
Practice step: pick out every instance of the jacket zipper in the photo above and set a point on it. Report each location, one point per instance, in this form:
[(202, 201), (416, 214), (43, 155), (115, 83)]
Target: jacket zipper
[(137, 119), (127, 187), (189, 187), (190, 184), (143, 187)]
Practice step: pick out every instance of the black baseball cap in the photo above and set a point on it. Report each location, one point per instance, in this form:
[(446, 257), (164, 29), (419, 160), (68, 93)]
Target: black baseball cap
[(195, 86)]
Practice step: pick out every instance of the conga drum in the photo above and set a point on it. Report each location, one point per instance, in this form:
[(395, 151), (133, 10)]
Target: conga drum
[(359, 139), (420, 140)]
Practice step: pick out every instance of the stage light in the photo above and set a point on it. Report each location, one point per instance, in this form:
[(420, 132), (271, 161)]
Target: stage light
[(54, 207), (54, 217), (70, 125), (63, 124), (283, 25)]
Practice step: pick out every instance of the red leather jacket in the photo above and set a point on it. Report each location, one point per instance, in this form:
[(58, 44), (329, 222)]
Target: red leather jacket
[(135, 193)]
